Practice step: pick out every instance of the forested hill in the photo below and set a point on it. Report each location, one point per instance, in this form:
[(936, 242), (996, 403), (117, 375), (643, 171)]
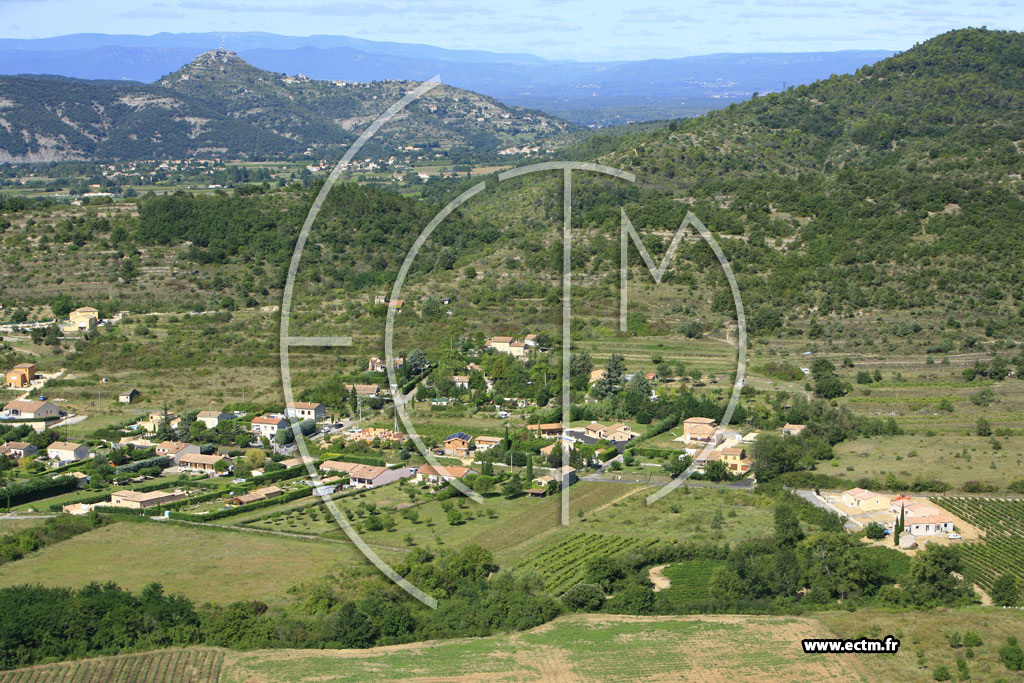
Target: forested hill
[(219, 105), (895, 188)]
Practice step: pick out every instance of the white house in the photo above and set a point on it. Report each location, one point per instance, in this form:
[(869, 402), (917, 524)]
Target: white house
[(930, 525), (212, 418), (31, 410), (268, 425), (306, 411), (65, 451), (439, 475)]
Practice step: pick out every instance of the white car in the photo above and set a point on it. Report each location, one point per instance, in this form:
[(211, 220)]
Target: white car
[(955, 537)]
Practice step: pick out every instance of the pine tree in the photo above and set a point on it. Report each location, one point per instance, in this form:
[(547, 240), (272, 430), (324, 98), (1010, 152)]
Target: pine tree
[(529, 468), (899, 526)]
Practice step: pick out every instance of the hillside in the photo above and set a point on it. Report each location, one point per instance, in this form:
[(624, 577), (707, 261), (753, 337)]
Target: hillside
[(220, 106)]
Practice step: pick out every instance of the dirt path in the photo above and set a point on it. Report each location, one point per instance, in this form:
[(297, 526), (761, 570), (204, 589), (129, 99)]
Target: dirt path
[(660, 581), (617, 500)]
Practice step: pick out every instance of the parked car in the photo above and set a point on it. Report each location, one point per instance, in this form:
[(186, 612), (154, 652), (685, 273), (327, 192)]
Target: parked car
[(955, 537)]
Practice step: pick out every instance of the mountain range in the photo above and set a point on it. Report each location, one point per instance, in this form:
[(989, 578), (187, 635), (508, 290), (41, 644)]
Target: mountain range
[(219, 105), (588, 93)]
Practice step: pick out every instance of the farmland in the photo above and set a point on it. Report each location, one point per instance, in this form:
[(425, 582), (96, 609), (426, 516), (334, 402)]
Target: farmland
[(204, 564), (690, 581), (562, 565), (1002, 550), (573, 648), (191, 665)]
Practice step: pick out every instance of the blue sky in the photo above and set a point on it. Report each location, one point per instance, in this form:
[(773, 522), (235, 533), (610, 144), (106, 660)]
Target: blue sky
[(556, 29)]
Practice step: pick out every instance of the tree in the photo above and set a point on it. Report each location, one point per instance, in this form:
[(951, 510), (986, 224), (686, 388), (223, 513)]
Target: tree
[(787, 526), (900, 525), (874, 531), (513, 487), (483, 484), (984, 428), (584, 597), (580, 365), (1006, 591), (715, 470), (931, 576), (611, 383), (529, 468), (416, 362), (1011, 655), (829, 562)]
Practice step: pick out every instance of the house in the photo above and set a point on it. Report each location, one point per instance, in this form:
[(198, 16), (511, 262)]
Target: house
[(306, 411), (15, 450), (595, 375), (139, 500), (176, 449), (212, 418), (380, 364), (546, 429), (930, 525), (135, 442), (457, 445), (65, 451), (21, 375), (396, 304), (371, 476), (499, 344), (530, 340), (652, 377), (128, 396), (371, 434), (265, 493), (366, 390), (84, 319), (736, 460), (910, 508), (618, 432), (440, 401), (152, 422), (31, 410), (380, 300), (565, 475), (337, 466), (439, 475), (793, 430), (518, 349), (700, 429), (268, 425), (197, 462), (594, 430), (486, 443), (461, 381), (700, 462), (862, 499), (550, 448), (82, 478), (291, 462)]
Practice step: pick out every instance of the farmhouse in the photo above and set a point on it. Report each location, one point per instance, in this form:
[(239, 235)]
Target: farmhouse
[(930, 525), (176, 449), (306, 411), (138, 500), (31, 410), (18, 449), (793, 430), (862, 499), (700, 429), (21, 375), (212, 418), (268, 425), (439, 475), (457, 445), (128, 396), (64, 451), (197, 462)]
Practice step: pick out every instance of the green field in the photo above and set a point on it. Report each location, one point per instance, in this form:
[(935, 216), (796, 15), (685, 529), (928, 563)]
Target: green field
[(953, 459), (562, 565), (192, 665), (204, 564), (690, 581)]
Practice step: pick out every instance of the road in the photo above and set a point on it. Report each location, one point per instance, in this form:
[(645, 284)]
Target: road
[(815, 500)]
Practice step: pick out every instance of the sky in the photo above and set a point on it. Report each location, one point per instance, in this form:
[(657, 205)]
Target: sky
[(583, 30)]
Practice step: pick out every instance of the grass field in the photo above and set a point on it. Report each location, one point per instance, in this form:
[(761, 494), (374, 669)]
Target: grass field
[(923, 640), (953, 459), (690, 580), (206, 565), (575, 648), (192, 665)]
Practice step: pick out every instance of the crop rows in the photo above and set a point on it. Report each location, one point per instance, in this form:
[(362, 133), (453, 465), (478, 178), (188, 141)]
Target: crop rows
[(562, 565), (1002, 522), (690, 580), (194, 665)]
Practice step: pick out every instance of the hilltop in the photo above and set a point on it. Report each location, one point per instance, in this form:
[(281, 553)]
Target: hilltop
[(219, 105)]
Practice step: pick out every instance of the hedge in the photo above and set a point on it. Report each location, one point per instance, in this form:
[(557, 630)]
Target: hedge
[(231, 511), (650, 452), (36, 489), (608, 453), (161, 461)]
